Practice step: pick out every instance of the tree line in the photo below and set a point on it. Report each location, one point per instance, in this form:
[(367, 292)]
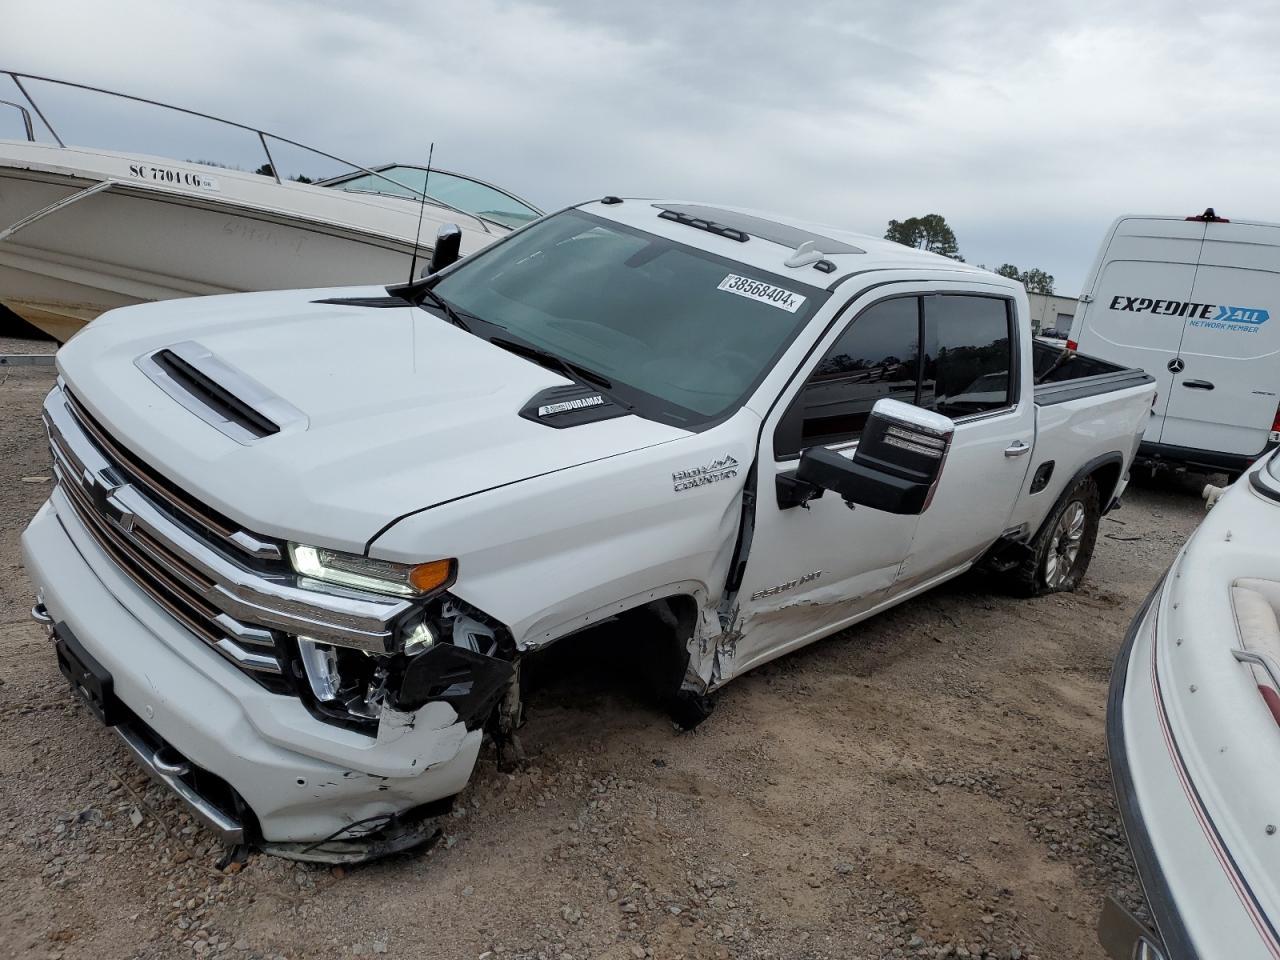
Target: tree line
[(932, 233)]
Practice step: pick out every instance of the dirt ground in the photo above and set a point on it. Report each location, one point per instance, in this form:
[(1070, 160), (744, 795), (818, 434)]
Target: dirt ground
[(932, 783)]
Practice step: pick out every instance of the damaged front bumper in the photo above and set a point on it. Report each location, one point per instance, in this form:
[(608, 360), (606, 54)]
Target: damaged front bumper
[(252, 764)]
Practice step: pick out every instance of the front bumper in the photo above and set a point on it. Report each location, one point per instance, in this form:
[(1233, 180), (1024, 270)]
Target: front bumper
[(302, 780)]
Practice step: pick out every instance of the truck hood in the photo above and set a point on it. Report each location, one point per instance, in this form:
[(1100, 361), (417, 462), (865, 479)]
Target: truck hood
[(400, 410)]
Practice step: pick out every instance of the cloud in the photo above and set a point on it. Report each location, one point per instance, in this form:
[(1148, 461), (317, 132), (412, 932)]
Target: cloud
[(1028, 127)]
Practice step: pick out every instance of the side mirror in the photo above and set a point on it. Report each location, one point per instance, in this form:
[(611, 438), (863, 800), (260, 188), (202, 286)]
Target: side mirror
[(447, 250), (896, 465)]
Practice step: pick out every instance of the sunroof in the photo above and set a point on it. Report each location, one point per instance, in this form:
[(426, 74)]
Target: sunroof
[(770, 230)]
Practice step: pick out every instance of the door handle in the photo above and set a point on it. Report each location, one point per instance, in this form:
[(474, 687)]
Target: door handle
[(1017, 449), (1197, 384)]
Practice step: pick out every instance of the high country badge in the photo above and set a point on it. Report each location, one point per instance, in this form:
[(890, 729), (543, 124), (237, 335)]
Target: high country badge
[(723, 469)]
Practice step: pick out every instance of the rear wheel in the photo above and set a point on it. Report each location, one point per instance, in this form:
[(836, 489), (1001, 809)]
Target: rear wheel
[(1060, 554)]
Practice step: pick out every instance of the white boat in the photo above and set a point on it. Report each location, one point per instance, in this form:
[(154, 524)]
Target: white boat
[(1193, 736), (84, 230)]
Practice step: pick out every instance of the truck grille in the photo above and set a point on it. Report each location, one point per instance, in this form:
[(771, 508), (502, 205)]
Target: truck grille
[(161, 573), (228, 587), (167, 494)]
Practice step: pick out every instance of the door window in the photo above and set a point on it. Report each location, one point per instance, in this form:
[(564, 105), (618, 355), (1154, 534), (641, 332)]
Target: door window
[(877, 356), (969, 361)]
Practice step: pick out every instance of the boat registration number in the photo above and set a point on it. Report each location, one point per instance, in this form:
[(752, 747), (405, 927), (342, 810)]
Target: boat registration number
[(180, 178)]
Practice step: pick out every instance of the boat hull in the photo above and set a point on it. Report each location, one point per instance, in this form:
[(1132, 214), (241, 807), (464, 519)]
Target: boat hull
[(70, 252)]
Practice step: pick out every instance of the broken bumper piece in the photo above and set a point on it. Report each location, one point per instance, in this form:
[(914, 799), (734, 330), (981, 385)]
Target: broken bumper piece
[(218, 739), (364, 843)]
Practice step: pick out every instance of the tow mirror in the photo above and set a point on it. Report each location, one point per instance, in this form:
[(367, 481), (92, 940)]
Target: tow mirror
[(448, 248), (895, 467)]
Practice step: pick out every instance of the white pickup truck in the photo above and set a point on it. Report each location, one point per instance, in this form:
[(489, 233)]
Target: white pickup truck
[(301, 541)]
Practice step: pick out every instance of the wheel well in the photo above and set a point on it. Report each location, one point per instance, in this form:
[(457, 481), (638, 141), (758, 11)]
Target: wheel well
[(1107, 477), (1105, 473), (648, 642), (665, 625)]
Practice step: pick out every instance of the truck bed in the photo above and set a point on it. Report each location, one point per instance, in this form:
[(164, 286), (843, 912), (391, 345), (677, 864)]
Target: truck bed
[(1062, 374), (1088, 412)]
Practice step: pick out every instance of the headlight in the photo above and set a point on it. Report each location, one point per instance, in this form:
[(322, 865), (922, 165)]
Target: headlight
[(417, 635), (364, 573), (320, 661)]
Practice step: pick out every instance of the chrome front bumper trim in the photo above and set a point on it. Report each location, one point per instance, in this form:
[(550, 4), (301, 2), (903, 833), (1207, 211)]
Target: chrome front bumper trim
[(169, 773)]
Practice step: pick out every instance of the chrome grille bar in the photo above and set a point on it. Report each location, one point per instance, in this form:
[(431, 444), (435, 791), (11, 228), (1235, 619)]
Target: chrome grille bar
[(153, 582), (148, 530), (161, 491)]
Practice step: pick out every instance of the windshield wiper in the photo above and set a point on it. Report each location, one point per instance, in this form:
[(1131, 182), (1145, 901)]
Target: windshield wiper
[(415, 291), (546, 358), (447, 308)]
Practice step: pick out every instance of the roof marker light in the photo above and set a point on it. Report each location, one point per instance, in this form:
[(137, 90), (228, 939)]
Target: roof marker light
[(1209, 217)]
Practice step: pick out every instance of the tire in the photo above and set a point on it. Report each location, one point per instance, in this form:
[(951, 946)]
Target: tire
[(1059, 556)]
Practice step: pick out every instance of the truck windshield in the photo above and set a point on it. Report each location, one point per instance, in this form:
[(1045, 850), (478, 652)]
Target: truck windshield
[(682, 335)]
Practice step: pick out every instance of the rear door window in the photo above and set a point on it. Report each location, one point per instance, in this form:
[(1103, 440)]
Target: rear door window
[(968, 364)]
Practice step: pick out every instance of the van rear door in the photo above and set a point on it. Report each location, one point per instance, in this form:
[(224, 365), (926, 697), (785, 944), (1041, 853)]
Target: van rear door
[(1224, 397), (1143, 278)]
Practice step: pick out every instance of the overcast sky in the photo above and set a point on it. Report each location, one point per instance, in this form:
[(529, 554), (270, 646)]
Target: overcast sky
[(1029, 126)]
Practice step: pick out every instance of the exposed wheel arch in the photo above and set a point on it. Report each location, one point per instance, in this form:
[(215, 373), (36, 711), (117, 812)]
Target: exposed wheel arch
[(1107, 476), (1106, 471)]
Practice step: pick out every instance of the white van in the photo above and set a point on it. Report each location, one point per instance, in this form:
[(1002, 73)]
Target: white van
[(1190, 300)]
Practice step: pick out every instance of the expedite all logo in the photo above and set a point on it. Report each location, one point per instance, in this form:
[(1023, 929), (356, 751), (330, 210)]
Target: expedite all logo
[(1210, 315)]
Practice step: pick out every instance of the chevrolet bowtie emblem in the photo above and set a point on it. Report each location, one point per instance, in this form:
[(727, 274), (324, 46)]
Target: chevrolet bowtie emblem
[(102, 495), (124, 519)]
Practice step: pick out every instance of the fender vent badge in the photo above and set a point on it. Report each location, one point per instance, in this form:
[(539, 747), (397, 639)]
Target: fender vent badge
[(570, 406)]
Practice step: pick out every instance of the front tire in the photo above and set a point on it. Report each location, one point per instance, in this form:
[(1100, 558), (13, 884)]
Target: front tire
[(1059, 556)]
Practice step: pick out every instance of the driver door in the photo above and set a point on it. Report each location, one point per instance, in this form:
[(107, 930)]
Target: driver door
[(815, 567)]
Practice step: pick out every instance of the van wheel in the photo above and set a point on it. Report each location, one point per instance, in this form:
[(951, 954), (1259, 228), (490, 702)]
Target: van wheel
[(1060, 554)]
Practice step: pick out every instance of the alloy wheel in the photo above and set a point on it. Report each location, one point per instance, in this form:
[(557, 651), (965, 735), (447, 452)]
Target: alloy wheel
[(1065, 545)]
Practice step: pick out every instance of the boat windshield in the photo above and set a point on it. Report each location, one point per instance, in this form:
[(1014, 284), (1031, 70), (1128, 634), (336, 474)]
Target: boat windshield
[(1267, 480), (681, 334), (463, 193)]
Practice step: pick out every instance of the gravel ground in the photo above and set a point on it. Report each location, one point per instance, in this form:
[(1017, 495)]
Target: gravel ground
[(931, 784), (18, 345)]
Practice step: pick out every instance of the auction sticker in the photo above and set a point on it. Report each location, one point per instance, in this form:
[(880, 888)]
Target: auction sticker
[(762, 292)]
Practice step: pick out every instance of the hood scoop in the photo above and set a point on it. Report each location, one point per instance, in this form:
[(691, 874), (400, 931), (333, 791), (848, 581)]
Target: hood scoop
[(570, 406), (220, 395)]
